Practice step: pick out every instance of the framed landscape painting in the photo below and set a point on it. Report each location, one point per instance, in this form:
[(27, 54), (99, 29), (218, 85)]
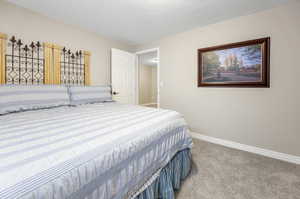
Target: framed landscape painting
[(243, 64)]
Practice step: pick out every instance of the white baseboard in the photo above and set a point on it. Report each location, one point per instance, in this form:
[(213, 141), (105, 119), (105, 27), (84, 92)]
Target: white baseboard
[(149, 104), (252, 149)]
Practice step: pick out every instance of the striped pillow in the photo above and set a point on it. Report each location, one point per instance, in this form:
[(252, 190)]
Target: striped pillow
[(89, 94), (14, 98)]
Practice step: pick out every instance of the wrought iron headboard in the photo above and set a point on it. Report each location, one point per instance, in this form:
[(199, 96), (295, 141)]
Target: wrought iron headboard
[(42, 63), (24, 63), (72, 67)]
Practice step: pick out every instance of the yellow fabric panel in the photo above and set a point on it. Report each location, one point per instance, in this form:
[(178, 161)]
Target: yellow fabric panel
[(87, 75), (52, 65), (48, 67), (56, 64), (3, 38)]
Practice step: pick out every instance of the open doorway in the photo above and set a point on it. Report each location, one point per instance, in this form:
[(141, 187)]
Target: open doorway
[(148, 78)]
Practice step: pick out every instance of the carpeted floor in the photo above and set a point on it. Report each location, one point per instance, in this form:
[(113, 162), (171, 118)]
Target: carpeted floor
[(223, 173)]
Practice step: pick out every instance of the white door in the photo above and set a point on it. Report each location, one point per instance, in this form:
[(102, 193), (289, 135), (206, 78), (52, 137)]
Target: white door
[(123, 77)]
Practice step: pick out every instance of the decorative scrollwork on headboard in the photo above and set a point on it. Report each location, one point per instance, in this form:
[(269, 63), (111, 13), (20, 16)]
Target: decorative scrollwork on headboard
[(72, 67), (24, 63), (42, 63)]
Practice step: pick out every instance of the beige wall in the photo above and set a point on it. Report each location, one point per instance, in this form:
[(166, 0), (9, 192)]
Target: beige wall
[(262, 117), (147, 84), (29, 26)]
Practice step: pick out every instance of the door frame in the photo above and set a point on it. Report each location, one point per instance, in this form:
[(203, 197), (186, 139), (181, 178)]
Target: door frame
[(158, 73)]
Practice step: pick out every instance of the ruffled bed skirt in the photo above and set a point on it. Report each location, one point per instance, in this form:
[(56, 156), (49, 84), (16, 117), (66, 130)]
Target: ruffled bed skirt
[(169, 178)]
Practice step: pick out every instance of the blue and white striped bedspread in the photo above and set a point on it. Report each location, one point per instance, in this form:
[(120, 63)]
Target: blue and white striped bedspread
[(97, 151)]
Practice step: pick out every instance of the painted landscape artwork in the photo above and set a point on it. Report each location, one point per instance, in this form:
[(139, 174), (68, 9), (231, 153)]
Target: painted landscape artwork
[(234, 64)]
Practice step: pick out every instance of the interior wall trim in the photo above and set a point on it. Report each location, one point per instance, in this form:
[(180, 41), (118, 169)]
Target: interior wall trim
[(252, 149), (148, 104)]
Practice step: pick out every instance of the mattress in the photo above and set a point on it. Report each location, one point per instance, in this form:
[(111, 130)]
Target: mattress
[(95, 151)]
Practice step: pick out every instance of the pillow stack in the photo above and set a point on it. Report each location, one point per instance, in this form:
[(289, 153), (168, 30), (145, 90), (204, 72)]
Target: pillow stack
[(16, 98)]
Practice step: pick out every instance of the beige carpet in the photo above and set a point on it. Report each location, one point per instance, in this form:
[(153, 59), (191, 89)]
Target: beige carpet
[(223, 173)]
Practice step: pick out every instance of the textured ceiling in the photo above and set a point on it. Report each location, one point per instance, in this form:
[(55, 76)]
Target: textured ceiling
[(140, 21)]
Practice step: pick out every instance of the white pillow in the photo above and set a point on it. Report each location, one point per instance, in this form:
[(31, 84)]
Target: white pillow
[(89, 94), (14, 98)]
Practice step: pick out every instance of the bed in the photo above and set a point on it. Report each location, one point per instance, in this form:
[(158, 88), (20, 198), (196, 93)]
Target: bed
[(61, 138), (93, 151)]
